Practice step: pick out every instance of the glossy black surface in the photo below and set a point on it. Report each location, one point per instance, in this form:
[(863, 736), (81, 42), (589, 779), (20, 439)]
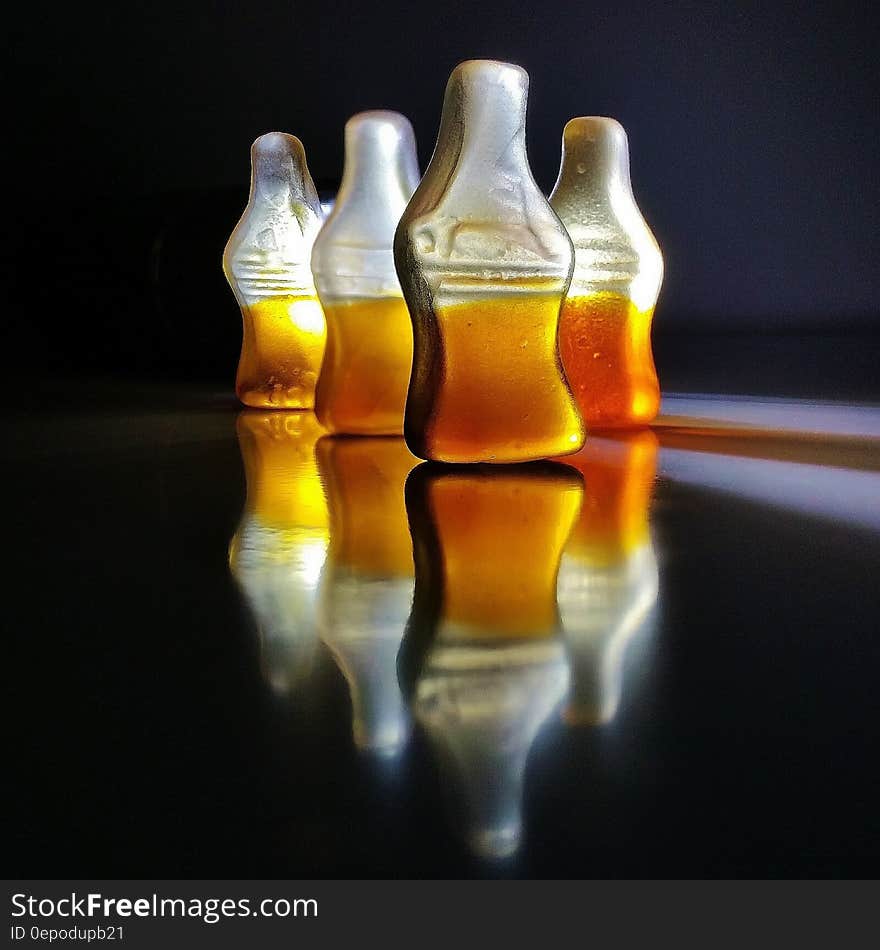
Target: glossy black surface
[(150, 741)]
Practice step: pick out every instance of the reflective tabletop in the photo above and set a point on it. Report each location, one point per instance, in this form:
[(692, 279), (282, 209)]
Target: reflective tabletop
[(245, 648)]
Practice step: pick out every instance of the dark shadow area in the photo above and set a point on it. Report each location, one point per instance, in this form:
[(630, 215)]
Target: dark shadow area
[(149, 742), (138, 293)]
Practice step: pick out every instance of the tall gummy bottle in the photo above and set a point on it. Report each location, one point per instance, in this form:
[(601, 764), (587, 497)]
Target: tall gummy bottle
[(485, 264), (605, 326), (365, 375), (266, 262)]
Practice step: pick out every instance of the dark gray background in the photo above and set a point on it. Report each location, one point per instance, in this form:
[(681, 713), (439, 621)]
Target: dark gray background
[(753, 128)]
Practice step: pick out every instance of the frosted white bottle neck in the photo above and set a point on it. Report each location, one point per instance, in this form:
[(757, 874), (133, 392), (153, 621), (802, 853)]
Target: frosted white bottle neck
[(614, 247), (485, 114), (268, 253), (279, 177), (478, 213), (594, 179), (380, 174), (353, 256)]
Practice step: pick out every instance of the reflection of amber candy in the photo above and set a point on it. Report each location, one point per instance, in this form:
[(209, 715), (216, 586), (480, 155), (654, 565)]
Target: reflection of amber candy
[(278, 549), (367, 582), (365, 375), (605, 345), (488, 387), (499, 536), (488, 545), (608, 576), (281, 352), (618, 472)]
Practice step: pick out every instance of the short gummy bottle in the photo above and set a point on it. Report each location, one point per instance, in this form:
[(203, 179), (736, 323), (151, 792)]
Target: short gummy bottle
[(365, 375), (605, 326), (485, 264), (266, 262)]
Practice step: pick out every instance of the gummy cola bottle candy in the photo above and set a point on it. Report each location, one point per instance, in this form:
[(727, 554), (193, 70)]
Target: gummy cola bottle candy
[(266, 262), (365, 375), (485, 264), (605, 326)]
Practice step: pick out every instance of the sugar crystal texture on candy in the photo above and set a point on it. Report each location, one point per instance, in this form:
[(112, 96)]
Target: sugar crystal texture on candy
[(266, 262), (364, 379), (485, 264), (605, 325)]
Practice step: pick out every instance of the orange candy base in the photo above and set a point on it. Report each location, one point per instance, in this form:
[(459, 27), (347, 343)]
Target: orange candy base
[(605, 347), (487, 384), (281, 353)]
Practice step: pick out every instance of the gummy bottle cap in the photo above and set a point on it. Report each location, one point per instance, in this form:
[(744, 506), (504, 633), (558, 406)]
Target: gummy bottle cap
[(594, 169), (353, 255), (614, 247), (268, 253), (478, 211)]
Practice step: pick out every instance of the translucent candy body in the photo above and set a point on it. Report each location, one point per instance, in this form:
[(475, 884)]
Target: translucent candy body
[(367, 582), (484, 264), (365, 376), (279, 547), (266, 262), (364, 379), (488, 545), (608, 576), (605, 326)]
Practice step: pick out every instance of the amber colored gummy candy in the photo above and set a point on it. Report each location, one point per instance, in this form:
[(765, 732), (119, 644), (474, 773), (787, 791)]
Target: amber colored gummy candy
[(499, 539), (488, 385), (281, 352), (605, 346), (365, 375)]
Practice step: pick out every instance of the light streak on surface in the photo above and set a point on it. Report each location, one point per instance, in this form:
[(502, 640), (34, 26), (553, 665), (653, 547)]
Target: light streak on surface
[(820, 459)]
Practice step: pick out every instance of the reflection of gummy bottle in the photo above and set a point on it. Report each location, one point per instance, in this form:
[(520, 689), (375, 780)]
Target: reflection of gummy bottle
[(487, 550), (605, 326), (277, 552), (266, 262), (365, 375), (485, 264), (608, 575), (367, 582)]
